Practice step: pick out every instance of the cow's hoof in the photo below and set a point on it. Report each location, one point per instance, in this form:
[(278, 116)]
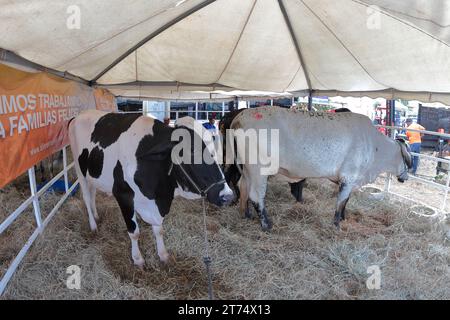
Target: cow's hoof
[(266, 225), (94, 229), (164, 258), (140, 263), (337, 225)]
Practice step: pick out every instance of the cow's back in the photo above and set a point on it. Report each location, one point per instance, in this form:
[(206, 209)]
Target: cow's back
[(100, 140)]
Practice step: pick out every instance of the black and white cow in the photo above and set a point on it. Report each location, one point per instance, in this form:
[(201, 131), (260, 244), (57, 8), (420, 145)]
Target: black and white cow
[(129, 156)]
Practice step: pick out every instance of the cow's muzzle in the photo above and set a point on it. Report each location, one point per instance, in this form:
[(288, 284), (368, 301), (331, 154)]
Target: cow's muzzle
[(403, 177), (226, 196)]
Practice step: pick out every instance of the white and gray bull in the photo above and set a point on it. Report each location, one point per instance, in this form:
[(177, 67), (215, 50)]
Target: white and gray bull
[(343, 147), (129, 156)]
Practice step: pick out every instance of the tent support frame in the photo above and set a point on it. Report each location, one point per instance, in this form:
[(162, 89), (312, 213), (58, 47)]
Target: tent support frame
[(151, 36), (296, 43)]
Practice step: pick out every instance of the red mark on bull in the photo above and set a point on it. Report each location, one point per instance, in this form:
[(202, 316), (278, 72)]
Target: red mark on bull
[(257, 116)]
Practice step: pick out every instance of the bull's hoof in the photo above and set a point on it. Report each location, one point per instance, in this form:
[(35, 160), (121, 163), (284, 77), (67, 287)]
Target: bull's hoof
[(337, 225), (266, 225), (248, 214)]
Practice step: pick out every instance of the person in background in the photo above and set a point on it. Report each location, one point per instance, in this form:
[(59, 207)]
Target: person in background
[(415, 141), (231, 106), (210, 126), (167, 121)]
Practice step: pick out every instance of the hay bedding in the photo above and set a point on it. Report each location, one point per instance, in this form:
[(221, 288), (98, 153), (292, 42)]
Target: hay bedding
[(303, 257)]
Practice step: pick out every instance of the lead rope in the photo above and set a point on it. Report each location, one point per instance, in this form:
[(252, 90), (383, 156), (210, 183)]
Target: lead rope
[(206, 258)]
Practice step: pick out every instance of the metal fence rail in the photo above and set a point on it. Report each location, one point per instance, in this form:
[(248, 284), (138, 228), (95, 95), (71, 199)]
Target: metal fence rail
[(441, 211), (41, 224)]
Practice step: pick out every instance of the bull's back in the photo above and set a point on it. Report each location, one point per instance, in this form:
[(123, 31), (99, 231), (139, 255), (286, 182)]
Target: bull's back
[(312, 144)]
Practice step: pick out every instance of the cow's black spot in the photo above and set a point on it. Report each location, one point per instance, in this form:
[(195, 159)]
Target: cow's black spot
[(153, 164), (83, 161), (342, 110), (156, 146), (95, 162), (124, 196), (108, 128)]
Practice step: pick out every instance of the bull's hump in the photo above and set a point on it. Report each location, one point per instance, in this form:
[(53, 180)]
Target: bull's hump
[(109, 127)]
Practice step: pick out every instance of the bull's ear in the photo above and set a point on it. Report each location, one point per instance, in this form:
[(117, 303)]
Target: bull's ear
[(405, 153)]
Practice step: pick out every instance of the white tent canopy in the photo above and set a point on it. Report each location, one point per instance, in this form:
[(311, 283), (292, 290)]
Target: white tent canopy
[(376, 48)]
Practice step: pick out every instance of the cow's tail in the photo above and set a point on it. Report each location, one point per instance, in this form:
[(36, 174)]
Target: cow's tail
[(238, 166), (70, 120)]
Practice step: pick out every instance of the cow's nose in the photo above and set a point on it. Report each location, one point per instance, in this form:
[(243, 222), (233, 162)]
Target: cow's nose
[(226, 195), (227, 199)]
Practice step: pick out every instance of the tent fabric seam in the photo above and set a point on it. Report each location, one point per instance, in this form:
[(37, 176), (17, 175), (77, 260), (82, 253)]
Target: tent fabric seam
[(362, 3), (151, 36), (237, 42), (297, 46), (344, 46)]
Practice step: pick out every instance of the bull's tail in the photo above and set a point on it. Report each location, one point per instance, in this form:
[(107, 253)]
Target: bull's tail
[(239, 167)]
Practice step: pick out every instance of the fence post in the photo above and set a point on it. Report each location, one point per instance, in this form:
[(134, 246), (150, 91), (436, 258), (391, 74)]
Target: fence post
[(444, 203), (66, 178), (196, 110), (223, 108), (33, 188)]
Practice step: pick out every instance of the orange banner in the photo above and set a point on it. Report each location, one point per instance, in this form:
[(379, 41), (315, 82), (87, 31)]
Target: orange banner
[(34, 112), (105, 100)]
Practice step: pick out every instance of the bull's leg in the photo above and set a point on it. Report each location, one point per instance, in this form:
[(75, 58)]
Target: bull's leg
[(266, 223), (257, 194), (162, 252), (343, 195), (248, 210), (87, 196), (243, 199), (297, 190)]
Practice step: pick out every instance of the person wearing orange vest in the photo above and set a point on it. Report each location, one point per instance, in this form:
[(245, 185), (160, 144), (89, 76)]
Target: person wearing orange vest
[(415, 141)]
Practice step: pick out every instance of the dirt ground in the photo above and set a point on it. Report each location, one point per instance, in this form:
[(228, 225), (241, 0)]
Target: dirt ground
[(303, 257)]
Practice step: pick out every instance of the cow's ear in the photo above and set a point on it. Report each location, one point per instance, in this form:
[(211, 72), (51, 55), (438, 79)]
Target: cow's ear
[(405, 152)]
